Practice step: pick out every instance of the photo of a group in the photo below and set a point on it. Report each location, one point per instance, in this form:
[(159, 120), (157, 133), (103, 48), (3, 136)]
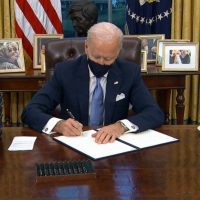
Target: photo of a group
[(180, 56)]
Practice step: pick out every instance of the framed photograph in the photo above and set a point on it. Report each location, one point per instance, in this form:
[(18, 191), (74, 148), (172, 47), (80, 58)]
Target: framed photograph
[(11, 55), (180, 57), (143, 61), (160, 48), (149, 44), (39, 46)]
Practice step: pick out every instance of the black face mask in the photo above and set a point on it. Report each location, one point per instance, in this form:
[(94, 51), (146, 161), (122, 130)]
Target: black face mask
[(97, 69)]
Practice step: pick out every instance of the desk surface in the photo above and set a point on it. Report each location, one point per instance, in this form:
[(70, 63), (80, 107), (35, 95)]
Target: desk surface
[(170, 171)]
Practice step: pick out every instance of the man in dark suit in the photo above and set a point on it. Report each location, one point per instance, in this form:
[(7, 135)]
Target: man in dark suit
[(185, 57), (75, 83)]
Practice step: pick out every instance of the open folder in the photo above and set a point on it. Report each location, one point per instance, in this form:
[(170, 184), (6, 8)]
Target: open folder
[(126, 143)]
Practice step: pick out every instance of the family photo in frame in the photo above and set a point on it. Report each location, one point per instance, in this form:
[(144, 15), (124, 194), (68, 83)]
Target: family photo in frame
[(180, 56), (11, 55), (160, 48), (39, 48), (149, 44)]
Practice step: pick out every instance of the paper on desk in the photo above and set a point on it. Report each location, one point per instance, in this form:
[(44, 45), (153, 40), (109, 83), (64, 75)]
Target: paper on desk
[(147, 138), (21, 143), (87, 145)]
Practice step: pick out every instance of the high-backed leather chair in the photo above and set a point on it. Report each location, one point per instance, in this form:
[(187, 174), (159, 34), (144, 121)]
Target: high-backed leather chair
[(71, 48)]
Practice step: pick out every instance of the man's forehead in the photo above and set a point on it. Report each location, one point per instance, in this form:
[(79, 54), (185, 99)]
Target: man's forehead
[(103, 50)]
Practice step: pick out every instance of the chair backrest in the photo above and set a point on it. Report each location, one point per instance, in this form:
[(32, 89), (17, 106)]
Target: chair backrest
[(71, 48)]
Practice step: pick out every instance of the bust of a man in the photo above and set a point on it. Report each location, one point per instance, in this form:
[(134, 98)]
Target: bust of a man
[(83, 14)]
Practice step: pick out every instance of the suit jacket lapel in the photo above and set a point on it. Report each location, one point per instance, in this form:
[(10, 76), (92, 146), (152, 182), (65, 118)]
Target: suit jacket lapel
[(112, 89), (82, 81)]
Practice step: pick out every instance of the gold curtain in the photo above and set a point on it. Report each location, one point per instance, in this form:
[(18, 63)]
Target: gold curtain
[(7, 26), (186, 25), (7, 30), (7, 19)]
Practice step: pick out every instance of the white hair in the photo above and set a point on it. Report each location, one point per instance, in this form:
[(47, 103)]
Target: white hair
[(105, 31), (11, 45)]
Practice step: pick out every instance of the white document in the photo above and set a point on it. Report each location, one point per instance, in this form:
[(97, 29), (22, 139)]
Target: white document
[(146, 138), (87, 145), (21, 143)]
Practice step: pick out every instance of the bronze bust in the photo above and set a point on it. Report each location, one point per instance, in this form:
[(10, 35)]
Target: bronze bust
[(83, 14)]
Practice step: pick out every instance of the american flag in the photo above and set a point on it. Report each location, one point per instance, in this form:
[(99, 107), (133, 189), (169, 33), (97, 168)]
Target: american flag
[(36, 17)]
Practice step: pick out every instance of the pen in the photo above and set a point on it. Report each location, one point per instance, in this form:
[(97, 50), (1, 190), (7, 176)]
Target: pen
[(70, 114)]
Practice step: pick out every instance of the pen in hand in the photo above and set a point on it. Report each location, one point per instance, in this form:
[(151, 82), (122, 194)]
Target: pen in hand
[(70, 114)]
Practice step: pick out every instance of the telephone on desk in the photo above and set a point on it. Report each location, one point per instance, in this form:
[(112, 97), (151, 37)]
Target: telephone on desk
[(65, 171)]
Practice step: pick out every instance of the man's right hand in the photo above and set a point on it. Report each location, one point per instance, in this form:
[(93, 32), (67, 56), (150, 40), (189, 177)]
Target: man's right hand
[(69, 127)]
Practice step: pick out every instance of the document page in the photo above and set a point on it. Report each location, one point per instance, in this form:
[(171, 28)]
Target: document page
[(146, 138), (21, 143), (87, 145)]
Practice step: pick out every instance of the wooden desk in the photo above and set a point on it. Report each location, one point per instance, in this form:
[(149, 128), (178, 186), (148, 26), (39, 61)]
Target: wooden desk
[(170, 171), (18, 82), (154, 79)]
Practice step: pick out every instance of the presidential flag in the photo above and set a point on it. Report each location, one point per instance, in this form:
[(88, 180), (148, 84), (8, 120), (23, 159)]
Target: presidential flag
[(149, 17), (36, 17)]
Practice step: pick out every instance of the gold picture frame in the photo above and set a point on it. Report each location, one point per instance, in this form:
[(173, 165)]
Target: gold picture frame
[(39, 44), (160, 48), (149, 44), (143, 61), (11, 55), (180, 56), (42, 59)]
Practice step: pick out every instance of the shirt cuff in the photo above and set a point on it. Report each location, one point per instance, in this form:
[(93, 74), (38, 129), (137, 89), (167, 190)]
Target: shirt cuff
[(50, 125), (132, 127)]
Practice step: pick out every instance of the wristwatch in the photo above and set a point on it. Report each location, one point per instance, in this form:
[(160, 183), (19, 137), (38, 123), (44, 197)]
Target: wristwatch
[(128, 126)]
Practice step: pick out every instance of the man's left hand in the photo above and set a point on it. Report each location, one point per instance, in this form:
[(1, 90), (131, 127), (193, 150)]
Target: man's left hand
[(109, 133)]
